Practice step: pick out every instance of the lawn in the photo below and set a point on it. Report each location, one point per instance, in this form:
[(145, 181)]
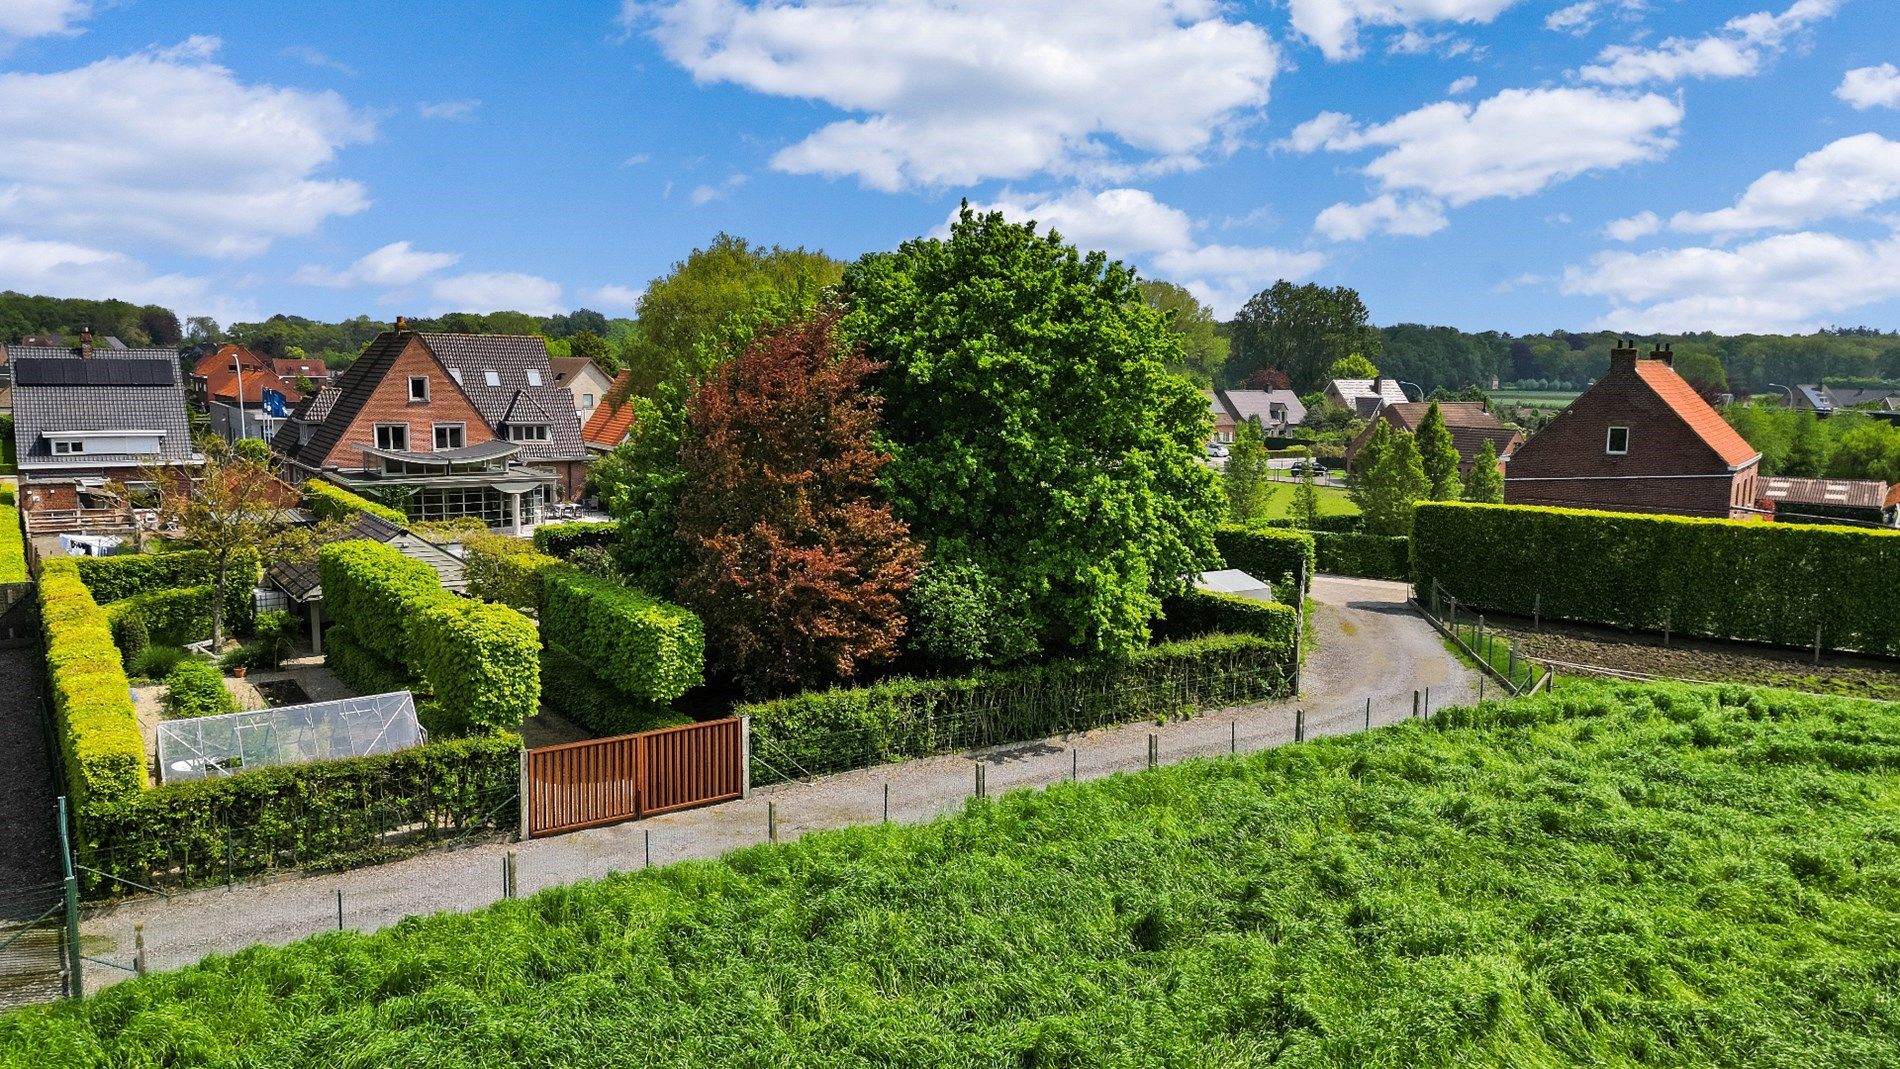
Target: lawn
[(1333, 501), (1606, 876)]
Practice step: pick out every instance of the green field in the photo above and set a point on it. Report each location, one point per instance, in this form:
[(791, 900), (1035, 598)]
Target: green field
[(1604, 876), (1333, 501), (1533, 398)]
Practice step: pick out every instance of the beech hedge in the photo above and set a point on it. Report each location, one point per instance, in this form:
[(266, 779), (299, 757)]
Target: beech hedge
[(1207, 612), (12, 546), (1266, 553), (331, 502), (1364, 556), (641, 646), (129, 575), (481, 663), (562, 539), (1747, 580), (373, 590), (506, 569), (362, 670), (171, 617), (574, 691), (98, 730)]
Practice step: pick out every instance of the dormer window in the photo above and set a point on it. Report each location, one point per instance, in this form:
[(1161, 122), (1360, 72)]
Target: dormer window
[(63, 446), (534, 377), (527, 432), (1618, 441), (418, 387)]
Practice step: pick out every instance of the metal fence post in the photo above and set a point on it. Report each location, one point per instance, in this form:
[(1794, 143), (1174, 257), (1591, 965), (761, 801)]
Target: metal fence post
[(1537, 611), (887, 803), (508, 874), (1428, 703), (1415, 705), (1817, 643), (745, 756), (339, 909), (1233, 736), (1074, 763), (771, 822), (1299, 725), (1154, 749), (648, 858), (138, 949), (75, 978)]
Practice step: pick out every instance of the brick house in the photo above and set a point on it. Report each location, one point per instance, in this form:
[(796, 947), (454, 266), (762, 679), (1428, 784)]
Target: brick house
[(1224, 422), (612, 417), (1470, 425), (443, 426), (1639, 440)]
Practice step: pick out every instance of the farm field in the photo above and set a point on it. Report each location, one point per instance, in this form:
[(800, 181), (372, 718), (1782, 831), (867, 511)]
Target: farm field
[(1533, 398), (1606, 875)]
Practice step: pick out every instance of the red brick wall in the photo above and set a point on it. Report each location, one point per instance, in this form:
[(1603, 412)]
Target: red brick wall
[(35, 497), (390, 403)]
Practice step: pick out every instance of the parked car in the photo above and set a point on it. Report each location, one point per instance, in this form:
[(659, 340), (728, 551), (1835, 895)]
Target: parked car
[(1217, 451), (1301, 467)]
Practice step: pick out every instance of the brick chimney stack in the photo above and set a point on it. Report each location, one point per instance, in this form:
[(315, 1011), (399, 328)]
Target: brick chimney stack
[(1664, 353), (85, 343), (1623, 354)]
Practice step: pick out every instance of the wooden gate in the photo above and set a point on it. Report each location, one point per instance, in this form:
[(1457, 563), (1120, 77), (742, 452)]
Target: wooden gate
[(606, 781)]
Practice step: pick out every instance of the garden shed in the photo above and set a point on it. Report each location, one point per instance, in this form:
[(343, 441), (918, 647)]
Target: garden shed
[(300, 582)]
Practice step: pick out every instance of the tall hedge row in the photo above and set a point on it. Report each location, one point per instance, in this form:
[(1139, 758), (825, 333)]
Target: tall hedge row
[(562, 539), (372, 589), (573, 690), (100, 742), (1266, 553), (128, 575), (1763, 582), (506, 569), (1364, 556), (641, 646), (12, 546), (331, 502), (176, 617), (1206, 612)]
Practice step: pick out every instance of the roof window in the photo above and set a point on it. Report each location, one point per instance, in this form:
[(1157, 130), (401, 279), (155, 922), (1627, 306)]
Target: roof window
[(534, 377), (491, 379)]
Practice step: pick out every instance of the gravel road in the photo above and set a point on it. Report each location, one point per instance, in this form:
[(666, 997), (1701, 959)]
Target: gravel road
[(1369, 646)]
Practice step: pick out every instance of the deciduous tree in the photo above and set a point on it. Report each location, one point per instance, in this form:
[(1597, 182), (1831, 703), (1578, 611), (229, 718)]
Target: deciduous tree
[(1395, 484), (1484, 483), (1245, 476), (1203, 349), (1439, 454), (1301, 330), (1352, 366), (1305, 506)]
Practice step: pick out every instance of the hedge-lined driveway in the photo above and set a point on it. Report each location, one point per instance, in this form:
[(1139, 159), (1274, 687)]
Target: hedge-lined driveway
[(1370, 646)]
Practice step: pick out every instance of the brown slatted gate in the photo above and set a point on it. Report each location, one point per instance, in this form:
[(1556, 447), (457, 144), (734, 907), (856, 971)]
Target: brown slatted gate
[(605, 781)]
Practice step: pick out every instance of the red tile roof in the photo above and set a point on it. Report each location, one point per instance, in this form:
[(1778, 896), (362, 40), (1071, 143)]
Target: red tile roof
[(611, 420), (290, 369), (222, 383), (1694, 411), (222, 357), (1893, 496)]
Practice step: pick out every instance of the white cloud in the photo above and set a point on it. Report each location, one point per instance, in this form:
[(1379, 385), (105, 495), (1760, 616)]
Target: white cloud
[(1871, 87), (1787, 283), (636, 159), (706, 194), (1739, 48), (1334, 25), (1131, 224), (1462, 86), (1509, 145), (319, 58), (952, 92), (1385, 214), (395, 264), (1841, 180), (1579, 18), (620, 298), (42, 18), (65, 269), (496, 291), (1640, 225), (168, 147), (448, 109)]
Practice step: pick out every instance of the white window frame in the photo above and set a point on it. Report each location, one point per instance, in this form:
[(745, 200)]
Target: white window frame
[(517, 432), (587, 402), (461, 432), (534, 376), (491, 378), (1609, 442), (66, 446), (403, 427), (424, 397)]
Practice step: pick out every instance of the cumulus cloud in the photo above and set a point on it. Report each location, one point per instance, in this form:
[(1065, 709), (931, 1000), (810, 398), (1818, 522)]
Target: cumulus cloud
[(1131, 224), (496, 291), (1788, 283), (1462, 86), (1841, 180), (1871, 87), (395, 264), (1640, 225), (1740, 48), (614, 296), (42, 18), (1385, 214), (166, 146), (67, 269), (1334, 25), (951, 92)]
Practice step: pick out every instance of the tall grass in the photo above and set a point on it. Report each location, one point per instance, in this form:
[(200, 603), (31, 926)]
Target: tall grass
[(1613, 875)]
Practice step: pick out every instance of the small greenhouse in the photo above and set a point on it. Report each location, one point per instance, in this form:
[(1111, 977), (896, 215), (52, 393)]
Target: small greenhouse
[(209, 746)]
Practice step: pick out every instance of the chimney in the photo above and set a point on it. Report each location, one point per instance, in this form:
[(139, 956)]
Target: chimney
[(85, 343), (1623, 354), (1664, 353), (402, 323)]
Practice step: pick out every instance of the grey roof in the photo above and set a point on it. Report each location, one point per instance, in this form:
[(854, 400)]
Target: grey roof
[(569, 368), (1816, 397), (479, 451), (1259, 405), (302, 583), (510, 357), (1385, 391), (112, 401), (1848, 397), (319, 404), (332, 409)]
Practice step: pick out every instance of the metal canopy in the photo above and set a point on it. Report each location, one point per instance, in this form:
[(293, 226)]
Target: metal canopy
[(209, 746)]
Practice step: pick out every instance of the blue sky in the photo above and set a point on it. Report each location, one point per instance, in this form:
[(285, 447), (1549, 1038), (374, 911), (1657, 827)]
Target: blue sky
[(1642, 165)]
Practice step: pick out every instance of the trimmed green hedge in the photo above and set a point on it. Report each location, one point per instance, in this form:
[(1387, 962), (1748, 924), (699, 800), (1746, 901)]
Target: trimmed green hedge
[(171, 617), (371, 589), (130, 575), (1363, 556), (506, 569), (1206, 612), (196, 688), (331, 502), (1352, 523), (573, 690), (1267, 553), (1762, 582), (562, 539), (12, 546), (363, 671), (322, 814), (482, 664), (99, 738), (641, 646), (827, 731)]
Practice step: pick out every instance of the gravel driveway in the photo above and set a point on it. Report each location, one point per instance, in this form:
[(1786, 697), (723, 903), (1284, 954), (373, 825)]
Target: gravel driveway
[(1370, 646)]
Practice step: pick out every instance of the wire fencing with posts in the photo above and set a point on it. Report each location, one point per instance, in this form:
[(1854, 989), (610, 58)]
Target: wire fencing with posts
[(1497, 656)]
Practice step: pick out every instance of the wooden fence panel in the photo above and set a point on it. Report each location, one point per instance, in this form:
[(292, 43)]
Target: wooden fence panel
[(606, 781)]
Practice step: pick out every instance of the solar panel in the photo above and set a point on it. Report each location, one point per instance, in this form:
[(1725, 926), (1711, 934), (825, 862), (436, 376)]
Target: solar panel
[(95, 372)]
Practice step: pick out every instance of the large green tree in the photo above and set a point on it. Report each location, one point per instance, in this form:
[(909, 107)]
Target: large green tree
[(1439, 454), (1484, 483), (1394, 486), (1203, 349), (1301, 330), (1035, 428), (1245, 477)]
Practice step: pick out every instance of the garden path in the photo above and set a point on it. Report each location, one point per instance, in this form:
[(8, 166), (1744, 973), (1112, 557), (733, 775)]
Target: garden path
[(29, 850), (1370, 646)]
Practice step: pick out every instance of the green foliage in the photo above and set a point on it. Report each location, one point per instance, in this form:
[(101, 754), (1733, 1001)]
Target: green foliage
[(1203, 348), (1302, 330), (1364, 556), (1305, 507), (255, 450), (1388, 480), (372, 590), (640, 479), (168, 586), (1352, 366), (1205, 612), (960, 617), (1764, 582), (133, 638), (12, 546), (508, 570), (574, 691), (98, 731), (196, 688), (1484, 483), (1034, 426), (360, 669), (171, 617), (643, 647), (157, 662), (481, 665), (1267, 553), (1438, 455), (276, 632), (1846, 445), (1244, 479), (329, 501), (562, 539), (136, 325)]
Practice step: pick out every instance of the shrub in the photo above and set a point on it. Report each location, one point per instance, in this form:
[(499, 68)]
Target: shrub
[(453, 529), (157, 662), (481, 665), (331, 502), (573, 690), (196, 688), (12, 544), (99, 738), (172, 617), (363, 671), (276, 635), (1363, 555), (1763, 582), (1205, 612), (597, 561), (959, 617), (641, 646), (371, 589), (508, 570), (1268, 553), (130, 634), (562, 539)]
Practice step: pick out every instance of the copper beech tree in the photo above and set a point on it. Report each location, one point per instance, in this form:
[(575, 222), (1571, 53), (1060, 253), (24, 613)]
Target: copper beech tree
[(794, 562)]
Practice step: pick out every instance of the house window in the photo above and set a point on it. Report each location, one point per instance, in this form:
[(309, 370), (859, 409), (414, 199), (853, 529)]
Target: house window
[(392, 436), (1619, 441), (69, 445), (448, 436), (418, 387), (587, 402), (529, 432), (491, 378), (534, 377)]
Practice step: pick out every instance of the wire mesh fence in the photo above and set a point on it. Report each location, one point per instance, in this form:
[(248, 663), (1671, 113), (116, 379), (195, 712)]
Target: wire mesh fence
[(1518, 674), (33, 945)]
